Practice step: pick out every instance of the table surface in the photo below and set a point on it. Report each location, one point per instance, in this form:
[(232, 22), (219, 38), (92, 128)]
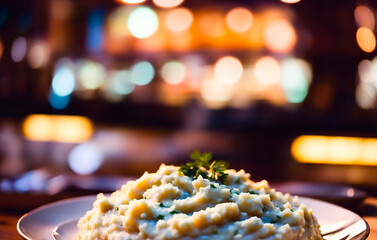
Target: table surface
[(8, 221)]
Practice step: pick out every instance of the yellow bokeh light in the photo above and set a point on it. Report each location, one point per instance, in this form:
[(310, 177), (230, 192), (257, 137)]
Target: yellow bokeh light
[(50, 128), (280, 36), (267, 71), (228, 70), (364, 17), (239, 19), (167, 3), (179, 19), (174, 72), (143, 22), (117, 22), (335, 150), (91, 74), (215, 94), (366, 39)]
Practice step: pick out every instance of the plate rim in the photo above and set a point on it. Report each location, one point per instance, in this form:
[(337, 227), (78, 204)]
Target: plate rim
[(364, 235), (44, 206)]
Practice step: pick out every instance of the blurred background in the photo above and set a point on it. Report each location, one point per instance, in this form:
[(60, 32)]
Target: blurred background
[(93, 93)]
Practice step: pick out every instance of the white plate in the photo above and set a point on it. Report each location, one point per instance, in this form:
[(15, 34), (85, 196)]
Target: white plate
[(60, 219)]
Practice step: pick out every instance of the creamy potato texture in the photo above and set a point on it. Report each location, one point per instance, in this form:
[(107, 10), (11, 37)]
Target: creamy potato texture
[(169, 205)]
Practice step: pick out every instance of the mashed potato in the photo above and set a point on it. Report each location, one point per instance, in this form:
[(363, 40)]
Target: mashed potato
[(170, 205)]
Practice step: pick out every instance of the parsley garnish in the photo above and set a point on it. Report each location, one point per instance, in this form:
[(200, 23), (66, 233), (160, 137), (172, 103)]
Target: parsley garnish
[(212, 186), (173, 212), (292, 210), (252, 192), (161, 205), (203, 165), (160, 217)]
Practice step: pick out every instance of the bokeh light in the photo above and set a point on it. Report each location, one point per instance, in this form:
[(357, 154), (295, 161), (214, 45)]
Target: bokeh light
[(63, 82), (142, 73), (173, 72), (91, 74), (365, 95), (19, 48), (121, 83), (95, 30), (366, 39), (365, 71), (228, 70), (179, 19), (167, 3), (38, 55), (58, 102), (335, 150), (142, 22), (85, 158), (364, 17), (366, 90), (58, 128), (295, 79), (117, 22), (290, 1), (215, 94), (267, 71), (131, 1), (239, 19), (212, 24), (280, 36)]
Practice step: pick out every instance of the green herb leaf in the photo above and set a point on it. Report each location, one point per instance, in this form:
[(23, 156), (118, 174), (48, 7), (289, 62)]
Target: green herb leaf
[(160, 217), (252, 192), (173, 212), (212, 186), (161, 205), (203, 165), (292, 210)]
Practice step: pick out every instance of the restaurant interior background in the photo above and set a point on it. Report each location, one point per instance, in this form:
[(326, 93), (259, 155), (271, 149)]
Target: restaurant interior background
[(95, 92)]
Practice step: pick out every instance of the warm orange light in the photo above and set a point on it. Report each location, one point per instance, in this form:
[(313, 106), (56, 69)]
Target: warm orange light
[(280, 36), (211, 24), (239, 19), (366, 39), (179, 19), (39, 54), (215, 94), (335, 150), (228, 70), (50, 128), (290, 1), (364, 17), (167, 3), (131, 1), (267, 71)]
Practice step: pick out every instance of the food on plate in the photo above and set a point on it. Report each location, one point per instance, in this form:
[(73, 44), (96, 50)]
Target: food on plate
[(202, 199)]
